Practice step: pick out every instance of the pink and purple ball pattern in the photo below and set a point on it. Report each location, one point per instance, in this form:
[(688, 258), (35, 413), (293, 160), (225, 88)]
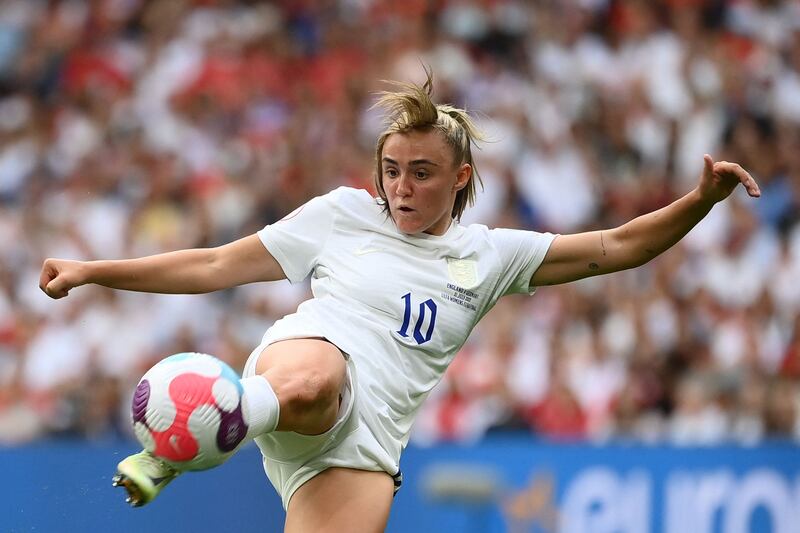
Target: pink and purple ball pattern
[(197, 403)]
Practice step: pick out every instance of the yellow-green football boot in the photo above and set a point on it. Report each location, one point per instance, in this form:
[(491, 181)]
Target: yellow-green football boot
[(143, 477)]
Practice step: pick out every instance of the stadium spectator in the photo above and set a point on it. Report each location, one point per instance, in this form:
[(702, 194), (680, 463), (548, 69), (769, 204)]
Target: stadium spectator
[(135, 127)]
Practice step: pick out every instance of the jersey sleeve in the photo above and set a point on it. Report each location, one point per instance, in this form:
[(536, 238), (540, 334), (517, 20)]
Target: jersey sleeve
[(298, 240), (521, 252)]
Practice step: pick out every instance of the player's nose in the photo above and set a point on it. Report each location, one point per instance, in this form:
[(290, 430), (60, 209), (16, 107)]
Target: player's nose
[(403, 185)]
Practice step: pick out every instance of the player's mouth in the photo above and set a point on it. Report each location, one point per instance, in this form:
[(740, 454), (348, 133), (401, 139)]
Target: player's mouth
[(405, 209)]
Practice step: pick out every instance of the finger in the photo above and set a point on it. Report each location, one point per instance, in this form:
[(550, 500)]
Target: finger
[(709, 164), (725, 166), (741, 175), (750, 184), (56, 289), (46, 276)]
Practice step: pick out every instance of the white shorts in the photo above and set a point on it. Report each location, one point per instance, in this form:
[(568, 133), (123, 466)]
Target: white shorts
[(291, 459)]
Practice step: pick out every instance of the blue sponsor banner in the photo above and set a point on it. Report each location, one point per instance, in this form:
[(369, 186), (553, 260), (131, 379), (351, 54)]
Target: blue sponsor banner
[(65, 487), (504, 483), (512, 484)]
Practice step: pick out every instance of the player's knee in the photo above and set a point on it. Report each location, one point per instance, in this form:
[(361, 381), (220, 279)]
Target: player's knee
[(319, 388), (307, 377), (313, 390)]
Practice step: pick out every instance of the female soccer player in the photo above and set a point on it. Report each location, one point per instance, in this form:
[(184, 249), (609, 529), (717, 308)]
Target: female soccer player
[(398, 285)]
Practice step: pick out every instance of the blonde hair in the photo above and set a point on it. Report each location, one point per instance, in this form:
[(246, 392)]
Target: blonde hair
[(410, 108)]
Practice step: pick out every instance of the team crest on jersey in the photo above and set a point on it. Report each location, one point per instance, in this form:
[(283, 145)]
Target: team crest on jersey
[(464, 272)]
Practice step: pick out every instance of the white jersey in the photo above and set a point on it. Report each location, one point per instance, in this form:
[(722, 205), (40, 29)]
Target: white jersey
[(400, 305)]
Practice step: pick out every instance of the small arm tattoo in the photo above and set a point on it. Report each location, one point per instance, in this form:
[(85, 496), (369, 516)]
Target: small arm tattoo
[(602, 243), (593, 266)]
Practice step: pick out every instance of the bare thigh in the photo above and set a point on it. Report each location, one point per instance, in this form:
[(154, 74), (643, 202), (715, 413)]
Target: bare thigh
[(341, 499)]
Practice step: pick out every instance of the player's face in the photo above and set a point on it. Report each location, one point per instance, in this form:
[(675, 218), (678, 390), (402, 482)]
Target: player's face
[(421, 181)]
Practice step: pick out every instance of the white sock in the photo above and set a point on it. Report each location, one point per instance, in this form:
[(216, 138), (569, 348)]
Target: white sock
[(262, 406)]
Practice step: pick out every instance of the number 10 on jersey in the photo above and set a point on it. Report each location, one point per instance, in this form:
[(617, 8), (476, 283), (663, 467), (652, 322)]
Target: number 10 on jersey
[(426, 308)]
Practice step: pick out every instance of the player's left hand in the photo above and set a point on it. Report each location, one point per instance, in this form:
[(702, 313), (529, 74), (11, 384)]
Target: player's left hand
[(720, 179)]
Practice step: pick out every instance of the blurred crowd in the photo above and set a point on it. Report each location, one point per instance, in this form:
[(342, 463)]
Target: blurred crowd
[(131, 127)]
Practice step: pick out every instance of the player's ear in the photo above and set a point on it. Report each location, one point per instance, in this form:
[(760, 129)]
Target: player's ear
[(463, 176)]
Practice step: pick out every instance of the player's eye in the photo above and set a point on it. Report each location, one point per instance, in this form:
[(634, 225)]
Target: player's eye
[(421, 174), (390, 172)]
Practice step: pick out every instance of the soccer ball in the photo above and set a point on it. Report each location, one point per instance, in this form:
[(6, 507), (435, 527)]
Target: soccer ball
[(188, 411)]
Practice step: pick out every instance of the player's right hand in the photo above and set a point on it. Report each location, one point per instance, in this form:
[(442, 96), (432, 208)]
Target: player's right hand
[(60, 275)]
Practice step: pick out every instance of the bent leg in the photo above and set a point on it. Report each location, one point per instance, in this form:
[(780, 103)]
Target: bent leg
[(341, 499), (307, 376), (297, 390)]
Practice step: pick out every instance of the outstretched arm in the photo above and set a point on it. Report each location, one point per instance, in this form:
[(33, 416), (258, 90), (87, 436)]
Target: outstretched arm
[(572, 257), (192, 271)]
